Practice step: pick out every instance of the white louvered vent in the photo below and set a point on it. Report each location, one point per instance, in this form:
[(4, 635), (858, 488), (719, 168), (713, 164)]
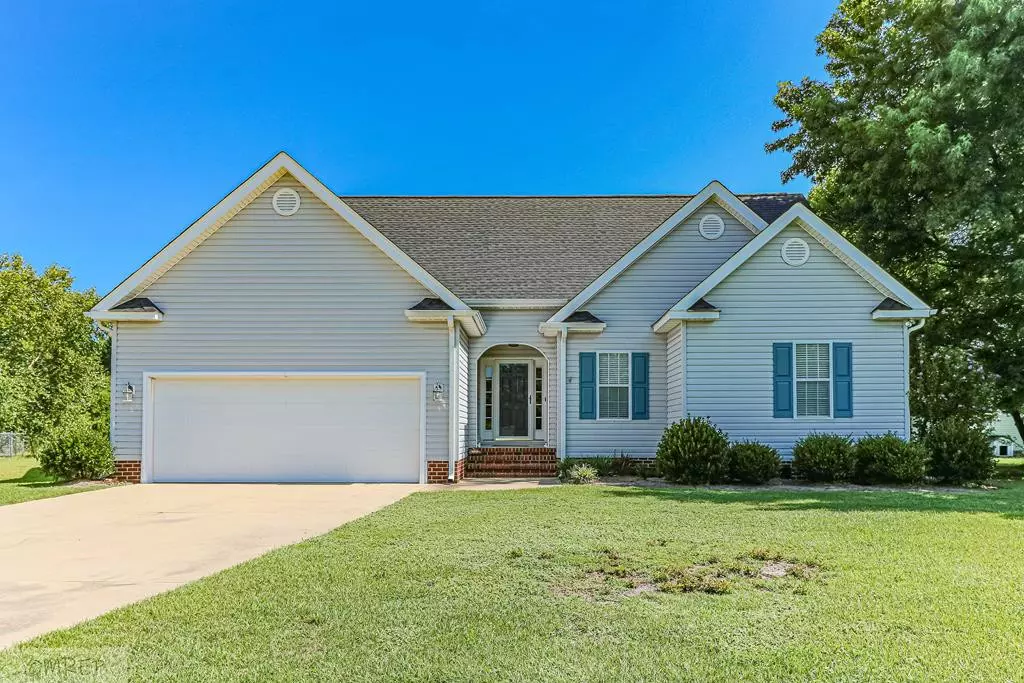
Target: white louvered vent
[(286, 201), (795, 251), (712, 226)]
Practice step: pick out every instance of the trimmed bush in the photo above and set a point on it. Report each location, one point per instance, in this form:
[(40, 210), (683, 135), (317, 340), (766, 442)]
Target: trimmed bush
[(958, 452), (753, 463), (823, 458), (693, 451), (580, 473), (888, 459), (77, 453)]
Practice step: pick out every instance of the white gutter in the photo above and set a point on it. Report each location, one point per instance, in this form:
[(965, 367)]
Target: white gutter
[(908, 329), (453, 412), (140, 316)]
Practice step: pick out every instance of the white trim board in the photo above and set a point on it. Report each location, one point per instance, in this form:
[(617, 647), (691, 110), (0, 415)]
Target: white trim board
[(149, 377), (829, 238), (713, 191), (241, 197)]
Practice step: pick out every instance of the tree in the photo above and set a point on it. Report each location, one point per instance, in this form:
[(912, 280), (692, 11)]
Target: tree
[(52, 357), (915, 143)]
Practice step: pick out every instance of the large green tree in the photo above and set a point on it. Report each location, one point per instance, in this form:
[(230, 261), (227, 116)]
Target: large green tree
[(915, 143), (53, 360)]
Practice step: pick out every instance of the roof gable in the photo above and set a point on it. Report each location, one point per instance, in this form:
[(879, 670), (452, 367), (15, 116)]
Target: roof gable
[(831, 240), (239, 198), (714, 192)]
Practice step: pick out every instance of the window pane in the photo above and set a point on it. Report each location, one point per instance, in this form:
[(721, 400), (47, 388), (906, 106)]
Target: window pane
[(613, 368), (812, 361), (614, 403), (813, 399)]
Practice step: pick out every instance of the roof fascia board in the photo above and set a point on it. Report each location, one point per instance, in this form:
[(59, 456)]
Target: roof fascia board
[(714, 190), (666, 322), (126, 316), (820, 230), (471, 320), (549, 329), (912, 314), (240, 197)]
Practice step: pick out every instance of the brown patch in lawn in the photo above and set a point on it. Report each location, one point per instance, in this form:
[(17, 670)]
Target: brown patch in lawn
[(615, 578)]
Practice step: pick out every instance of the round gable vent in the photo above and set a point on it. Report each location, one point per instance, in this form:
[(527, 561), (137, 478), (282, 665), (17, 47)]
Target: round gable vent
[(286, 201), (795, 251), (712, 226)]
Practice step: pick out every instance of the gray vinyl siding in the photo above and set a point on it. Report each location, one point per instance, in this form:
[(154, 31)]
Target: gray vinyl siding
[(265, 292), (629, 305), (674, 375), (729, 362), (515, 327), (463, 390)]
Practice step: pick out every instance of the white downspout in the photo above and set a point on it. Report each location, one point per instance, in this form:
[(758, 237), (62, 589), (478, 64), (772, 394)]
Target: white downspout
[(908, 329), (453, 409), (561, 392)]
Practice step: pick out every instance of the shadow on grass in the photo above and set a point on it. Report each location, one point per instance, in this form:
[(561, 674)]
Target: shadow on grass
[(1008, 500), (33, 478)]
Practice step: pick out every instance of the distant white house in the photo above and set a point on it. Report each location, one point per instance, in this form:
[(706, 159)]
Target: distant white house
[(1006, 440)]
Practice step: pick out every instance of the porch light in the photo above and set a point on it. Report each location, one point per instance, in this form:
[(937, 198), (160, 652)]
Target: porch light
[(129, 393), (438, 393)]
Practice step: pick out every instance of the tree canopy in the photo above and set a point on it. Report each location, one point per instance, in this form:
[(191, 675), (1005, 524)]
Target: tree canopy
[(915, 143), (54, 362)]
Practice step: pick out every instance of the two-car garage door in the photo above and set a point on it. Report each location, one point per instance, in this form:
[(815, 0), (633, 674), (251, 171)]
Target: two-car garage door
[(288, 428)]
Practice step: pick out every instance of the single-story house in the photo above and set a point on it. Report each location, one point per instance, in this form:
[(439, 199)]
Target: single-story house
[(291, 334)]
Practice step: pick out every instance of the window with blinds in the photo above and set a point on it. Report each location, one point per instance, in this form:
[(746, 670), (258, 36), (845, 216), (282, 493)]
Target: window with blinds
[(613, 386), (813, 380)]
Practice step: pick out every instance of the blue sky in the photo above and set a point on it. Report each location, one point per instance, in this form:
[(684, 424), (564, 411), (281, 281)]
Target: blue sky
[(121, 123)]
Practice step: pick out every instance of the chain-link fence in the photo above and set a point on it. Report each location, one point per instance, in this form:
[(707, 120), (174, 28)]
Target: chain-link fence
[(12, 444)]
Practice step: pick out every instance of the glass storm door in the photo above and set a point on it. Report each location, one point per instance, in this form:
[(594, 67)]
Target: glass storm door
[(514, 400)]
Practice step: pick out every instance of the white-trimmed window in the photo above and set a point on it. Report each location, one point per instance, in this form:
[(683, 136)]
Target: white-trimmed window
[(612, 386), (813, 380)]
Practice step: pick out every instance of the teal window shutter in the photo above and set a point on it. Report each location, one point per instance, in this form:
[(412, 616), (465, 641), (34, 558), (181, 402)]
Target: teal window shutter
[(782, 385), (640, 388), (842, 379), (588, 386)]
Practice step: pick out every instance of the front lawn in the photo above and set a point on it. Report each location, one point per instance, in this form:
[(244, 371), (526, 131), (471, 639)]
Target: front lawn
[(562, 583), (22, 480)]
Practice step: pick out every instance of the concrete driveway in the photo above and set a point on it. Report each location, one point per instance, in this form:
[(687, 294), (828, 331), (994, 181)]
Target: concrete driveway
[(68, 559)]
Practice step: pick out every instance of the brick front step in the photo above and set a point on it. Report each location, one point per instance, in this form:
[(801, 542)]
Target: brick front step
[(510, 462)]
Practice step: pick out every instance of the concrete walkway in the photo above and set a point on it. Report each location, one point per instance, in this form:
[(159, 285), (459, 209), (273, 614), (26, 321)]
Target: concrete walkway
[(64, 560)]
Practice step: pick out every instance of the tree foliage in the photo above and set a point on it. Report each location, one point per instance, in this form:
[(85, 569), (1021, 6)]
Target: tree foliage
[(54, 362), (915, 143)]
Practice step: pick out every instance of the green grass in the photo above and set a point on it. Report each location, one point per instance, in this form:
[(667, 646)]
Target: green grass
[(1010, 468), (22, 480), (471, 586)]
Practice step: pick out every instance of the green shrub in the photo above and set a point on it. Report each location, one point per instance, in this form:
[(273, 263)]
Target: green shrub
[(78, 452), (888, 459), (580, 473), (753, 463), (621, 465), (958, 452), (693, 451), (823, 457)]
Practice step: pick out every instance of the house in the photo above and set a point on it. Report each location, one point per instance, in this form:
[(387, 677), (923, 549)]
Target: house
[(290, 334), (1006, 440)]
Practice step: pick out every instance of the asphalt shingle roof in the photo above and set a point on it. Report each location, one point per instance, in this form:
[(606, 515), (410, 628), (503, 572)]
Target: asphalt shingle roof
[(527, 247)]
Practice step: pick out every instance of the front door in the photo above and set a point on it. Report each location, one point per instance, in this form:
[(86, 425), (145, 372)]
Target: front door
[(514, 400)]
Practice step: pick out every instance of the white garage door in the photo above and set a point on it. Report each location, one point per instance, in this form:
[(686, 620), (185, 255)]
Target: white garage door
[(285, 429)]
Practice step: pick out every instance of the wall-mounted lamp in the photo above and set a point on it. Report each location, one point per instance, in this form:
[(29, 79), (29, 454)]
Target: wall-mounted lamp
[(438, 393), (129, 393)]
